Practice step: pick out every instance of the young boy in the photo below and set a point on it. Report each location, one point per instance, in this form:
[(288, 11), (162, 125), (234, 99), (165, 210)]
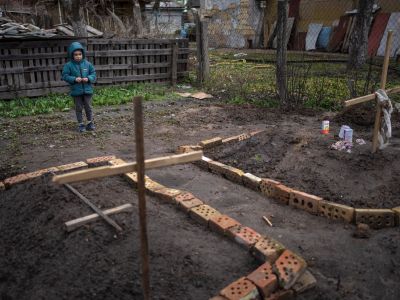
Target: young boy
[(80, 74)]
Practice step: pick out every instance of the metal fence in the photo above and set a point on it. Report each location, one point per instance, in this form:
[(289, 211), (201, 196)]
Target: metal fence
[(31, 68)]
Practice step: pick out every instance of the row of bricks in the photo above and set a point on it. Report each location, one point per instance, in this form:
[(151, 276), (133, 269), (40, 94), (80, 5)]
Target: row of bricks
[(263, 248), (9, 182), (211, 143), (375, 218)]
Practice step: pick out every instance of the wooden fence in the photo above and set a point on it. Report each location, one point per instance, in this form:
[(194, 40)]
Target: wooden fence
[(30, 68)]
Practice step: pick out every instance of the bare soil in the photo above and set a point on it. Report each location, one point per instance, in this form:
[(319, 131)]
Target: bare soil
[(42, 261)]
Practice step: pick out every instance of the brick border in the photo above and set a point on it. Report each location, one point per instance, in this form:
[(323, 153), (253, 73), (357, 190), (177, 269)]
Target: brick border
[(375, 218)]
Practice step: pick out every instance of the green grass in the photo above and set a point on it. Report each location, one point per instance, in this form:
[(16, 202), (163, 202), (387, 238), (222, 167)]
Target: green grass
[(103, 96)]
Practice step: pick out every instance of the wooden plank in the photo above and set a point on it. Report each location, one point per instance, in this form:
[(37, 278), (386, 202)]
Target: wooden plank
[(369, 97), (19, 78), (33, 92), (94, 207), (75, 224), (127, 168), (378, 115)]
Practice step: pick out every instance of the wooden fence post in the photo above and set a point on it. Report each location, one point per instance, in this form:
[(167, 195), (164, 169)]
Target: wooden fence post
[(281, 51), (174, 66), (203, 70)]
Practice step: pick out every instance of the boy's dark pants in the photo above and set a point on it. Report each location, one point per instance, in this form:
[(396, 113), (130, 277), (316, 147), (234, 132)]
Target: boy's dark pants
[(84, 101)]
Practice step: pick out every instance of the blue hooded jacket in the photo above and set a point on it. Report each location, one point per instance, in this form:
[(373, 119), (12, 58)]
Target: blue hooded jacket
[(83, 69)]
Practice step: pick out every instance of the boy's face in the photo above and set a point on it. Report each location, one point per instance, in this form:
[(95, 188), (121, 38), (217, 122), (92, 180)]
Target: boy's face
[(78, 55)]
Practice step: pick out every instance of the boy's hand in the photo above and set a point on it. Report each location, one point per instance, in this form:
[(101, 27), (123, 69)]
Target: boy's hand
[(85, 79), (78, 79)]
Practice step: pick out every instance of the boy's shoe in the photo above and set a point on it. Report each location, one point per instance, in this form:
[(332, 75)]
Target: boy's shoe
[(81, 128), (90, 126)]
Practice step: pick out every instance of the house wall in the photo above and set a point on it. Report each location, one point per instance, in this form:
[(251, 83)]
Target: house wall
[(165, 23), (234, 22)]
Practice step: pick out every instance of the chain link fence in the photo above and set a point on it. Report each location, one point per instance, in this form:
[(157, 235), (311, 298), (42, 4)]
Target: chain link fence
[(242, 38)]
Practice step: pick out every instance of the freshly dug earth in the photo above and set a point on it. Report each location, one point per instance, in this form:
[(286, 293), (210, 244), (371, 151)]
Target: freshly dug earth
[(302, 158), (39, 260)]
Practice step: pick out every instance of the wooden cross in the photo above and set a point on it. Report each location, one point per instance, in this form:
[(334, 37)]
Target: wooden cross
[(139, 167), (378, 116)]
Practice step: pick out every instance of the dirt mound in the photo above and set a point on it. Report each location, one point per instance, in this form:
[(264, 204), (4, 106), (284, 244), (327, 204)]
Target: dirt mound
[(40, 261)]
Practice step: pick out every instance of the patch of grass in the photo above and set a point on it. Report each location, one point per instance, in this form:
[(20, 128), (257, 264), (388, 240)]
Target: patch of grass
[(103, 96)]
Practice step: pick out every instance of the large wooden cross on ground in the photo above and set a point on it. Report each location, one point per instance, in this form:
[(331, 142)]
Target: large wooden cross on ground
[(378, 116), (140, 166)]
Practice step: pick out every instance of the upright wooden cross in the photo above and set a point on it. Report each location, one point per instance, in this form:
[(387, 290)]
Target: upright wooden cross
[(138, 167), (378, 116)]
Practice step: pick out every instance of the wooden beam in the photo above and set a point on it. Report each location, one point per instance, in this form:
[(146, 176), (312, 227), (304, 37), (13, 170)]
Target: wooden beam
[(75, 224), (369, 97), (127, 168), (378, 115)]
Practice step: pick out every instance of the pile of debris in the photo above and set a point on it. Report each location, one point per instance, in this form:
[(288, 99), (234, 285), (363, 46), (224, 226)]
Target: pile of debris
[(11, 29)]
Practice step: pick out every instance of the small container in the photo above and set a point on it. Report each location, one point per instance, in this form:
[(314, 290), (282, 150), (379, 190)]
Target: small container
[(342, 129), (325, 127), (348, 135)]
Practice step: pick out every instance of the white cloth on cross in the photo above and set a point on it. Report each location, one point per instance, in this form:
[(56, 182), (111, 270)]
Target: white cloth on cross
[(386, 127)]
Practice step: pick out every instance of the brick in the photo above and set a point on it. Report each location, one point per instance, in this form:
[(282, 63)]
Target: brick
[(241, 289), (222, 223), (167, 194), (397, 215), (36, 174), (282, 193), (211, 143), (232, 139), (184, 196), (251, 181), (2, 186), (281, 295), (243, 137), (264, 279), (336, 211), (99, 161), (217, 167), (289, 267), (9, 182), (116, 162), (74, 166), (188, 148), (375, 218), (203, 213), (244, 236), (187, 205), (152, 186), (267, 249), (131, 178), (233, 174), (203, 163), (268, 187), (306, 282), (305, 201)]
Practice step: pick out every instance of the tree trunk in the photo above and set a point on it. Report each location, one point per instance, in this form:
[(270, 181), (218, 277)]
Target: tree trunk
[(137, 21), (74, 14), (358, 49), (281, 51)]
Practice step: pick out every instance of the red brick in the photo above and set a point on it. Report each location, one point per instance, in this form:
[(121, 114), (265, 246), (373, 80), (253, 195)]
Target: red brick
[(222, 223), (74, 166), (233, 174), (282, 193), (116, 162), (244, 136), (281, 295), (232, 139), (242, 289), (188, 148), (203, 163), (203, 213), (245, 236), (305, 201), (131, 178), (216, 167), (267, 249), (187, 205), (289, 267), (264, 279), (268, 187), (184, 196), (152, 186), (375, 218), (2, 186), (36, 174), (167, 194), (9, 182), (336, 211), (99, 161), (251, 181), (211, 143)]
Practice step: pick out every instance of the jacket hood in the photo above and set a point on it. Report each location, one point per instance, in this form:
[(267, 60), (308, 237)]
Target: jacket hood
[(73, 47)]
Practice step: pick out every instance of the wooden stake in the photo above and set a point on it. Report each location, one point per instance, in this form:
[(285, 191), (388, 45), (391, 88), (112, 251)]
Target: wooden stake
[(76, 223), (153, 163), (267, 221), (141, 195), (94, 207), (378, 116)]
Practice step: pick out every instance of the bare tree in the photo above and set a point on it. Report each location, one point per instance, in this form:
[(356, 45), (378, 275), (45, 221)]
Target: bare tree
[(358, 49), (74, 13), (281, 51), (137, 18)]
